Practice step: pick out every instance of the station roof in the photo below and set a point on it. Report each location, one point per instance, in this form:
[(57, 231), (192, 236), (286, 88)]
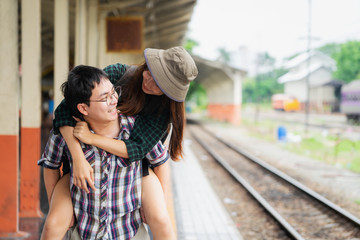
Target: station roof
[(165, 22), (300, 75), (211, 72)]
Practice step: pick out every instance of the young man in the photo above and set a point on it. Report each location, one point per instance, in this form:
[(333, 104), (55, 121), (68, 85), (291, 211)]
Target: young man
[(112, 210)]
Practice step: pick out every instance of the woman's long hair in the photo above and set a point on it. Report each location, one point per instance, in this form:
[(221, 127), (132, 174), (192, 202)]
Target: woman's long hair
[(134, 101), (177, 118)]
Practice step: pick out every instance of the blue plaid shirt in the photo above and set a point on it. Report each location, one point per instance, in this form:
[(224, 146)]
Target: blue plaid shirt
[(112, 211)]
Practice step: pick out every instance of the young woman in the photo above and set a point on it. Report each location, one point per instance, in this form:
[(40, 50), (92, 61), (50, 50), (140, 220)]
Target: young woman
[(155, 91)]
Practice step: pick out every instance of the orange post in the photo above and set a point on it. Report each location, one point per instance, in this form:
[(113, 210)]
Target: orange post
[(30, 173), (9, 222), (225, 112)]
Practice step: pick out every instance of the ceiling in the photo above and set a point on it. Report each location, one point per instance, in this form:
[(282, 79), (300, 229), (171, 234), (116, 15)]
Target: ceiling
[(165, 22)]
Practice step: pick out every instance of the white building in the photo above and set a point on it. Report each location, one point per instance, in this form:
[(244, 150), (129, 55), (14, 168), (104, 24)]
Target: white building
[(317, 68)]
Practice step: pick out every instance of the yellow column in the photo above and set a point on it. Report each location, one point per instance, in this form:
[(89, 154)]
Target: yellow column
[(30, 108), (61, 45), (9, 120)]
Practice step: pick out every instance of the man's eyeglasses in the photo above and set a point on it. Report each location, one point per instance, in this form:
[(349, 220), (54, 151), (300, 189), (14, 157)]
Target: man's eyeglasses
[(115, 93)]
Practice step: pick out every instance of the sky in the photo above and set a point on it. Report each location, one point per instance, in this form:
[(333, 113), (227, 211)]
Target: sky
[(279, 27)]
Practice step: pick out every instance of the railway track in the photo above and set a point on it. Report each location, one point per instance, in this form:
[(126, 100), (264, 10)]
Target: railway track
[(299, 211)]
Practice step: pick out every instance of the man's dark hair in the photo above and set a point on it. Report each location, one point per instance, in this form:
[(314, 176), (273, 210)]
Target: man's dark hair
[(79, 85)]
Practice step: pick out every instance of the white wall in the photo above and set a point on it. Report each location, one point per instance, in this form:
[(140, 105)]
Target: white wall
[(296, 89), (222, 88), (320, 77), (323, 94)]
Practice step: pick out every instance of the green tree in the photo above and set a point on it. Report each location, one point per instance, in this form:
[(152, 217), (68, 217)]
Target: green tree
[(224, 55), (265, 60), (329, 49), (190, 44), (195, 89), (196, 96), (348, 61), (262, 87)]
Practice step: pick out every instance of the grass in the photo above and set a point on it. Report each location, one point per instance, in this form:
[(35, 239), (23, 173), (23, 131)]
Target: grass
[(327, 147), (332, 149), (355, 164)]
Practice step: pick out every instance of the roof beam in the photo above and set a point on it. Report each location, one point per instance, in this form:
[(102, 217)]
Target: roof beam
[(121, 5)]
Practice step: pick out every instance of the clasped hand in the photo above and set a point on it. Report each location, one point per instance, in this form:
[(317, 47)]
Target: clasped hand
[(82, 132), (82, 171)]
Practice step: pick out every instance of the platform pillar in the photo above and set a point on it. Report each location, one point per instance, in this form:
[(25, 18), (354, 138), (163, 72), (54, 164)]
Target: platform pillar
[(30, 108), (92, 33), (81, 40), (61, 47), (9, 121)]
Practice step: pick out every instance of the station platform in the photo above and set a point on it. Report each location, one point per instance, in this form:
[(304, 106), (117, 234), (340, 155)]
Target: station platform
[(199, 213)]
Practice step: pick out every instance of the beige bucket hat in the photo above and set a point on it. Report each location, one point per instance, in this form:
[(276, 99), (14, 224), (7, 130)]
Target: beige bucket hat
[(172, 69)]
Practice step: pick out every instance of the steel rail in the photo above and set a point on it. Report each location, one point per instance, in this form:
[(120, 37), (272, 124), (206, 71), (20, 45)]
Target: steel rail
[(288, 179), (288, 228)]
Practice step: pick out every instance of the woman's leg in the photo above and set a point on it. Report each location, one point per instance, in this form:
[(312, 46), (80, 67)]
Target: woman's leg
[(60, 213), (155, 210)]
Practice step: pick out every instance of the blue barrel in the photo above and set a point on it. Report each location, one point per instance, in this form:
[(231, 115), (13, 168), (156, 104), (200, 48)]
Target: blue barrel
[(281, 133)]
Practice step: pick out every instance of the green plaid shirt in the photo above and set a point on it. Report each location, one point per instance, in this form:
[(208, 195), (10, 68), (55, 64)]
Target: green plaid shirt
[(148, 129)]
